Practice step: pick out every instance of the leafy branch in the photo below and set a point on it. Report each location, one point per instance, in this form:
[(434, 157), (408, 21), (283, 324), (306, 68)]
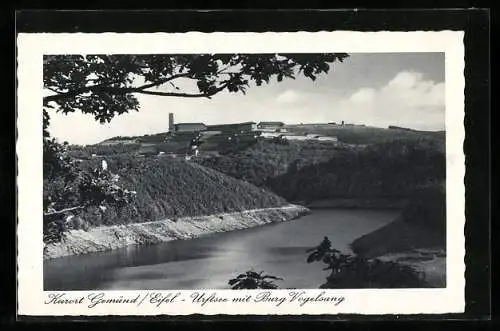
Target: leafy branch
[(106, 85), (254, 280), (348, 271)]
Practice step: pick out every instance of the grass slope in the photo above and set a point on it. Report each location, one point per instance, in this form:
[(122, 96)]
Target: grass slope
[(171, 188), (364, 134)]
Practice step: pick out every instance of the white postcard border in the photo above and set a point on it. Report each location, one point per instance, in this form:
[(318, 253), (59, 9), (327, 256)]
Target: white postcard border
[(31, 48)]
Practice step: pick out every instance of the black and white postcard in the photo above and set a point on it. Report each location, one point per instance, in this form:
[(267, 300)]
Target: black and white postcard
[(241, 173)]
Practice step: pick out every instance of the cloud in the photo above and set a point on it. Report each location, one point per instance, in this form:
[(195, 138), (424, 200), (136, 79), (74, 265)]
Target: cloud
[(411, 88), (289, 97), (363, 96), (407, 100)]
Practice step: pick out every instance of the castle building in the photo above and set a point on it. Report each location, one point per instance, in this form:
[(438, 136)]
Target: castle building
[(189, 127), (234, 128)]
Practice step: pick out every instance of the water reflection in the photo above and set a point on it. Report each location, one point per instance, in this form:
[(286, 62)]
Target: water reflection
[(208, 262), (294, 250)]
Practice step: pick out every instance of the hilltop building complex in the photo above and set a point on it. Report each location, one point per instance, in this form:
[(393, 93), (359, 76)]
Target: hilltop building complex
[(192, 139)]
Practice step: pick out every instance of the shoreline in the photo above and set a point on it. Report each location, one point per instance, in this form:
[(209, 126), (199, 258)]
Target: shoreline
[(359, 203), (106, 238), (430, 262), (406, 243)]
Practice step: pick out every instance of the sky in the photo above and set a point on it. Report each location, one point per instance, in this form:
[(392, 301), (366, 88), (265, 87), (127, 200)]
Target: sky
[(376, 89)]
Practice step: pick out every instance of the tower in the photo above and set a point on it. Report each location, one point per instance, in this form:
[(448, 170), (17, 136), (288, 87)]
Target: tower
[(170, 122)]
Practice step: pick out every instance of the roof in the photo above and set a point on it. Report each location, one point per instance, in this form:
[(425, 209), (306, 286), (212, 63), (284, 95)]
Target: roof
[(198, 124), (229, 125), (272, 123), (223, 125)]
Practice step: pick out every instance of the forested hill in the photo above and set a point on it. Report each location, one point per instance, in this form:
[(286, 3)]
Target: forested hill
[(266, 159), (310, 171), (172, 188), (395, 169)]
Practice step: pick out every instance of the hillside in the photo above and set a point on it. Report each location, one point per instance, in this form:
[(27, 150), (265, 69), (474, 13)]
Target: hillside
[(386, 170), (311, 171), (350, 134), (265, 159), (421, 225), (171, 188), (417, 238), (389, 169), (236, 144), (357, 134)]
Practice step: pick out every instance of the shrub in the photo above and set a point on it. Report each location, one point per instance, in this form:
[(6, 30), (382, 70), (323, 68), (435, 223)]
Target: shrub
[(69, 189), (348, 271), (251, 280)]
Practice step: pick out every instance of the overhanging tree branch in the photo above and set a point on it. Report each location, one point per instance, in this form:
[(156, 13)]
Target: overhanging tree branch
[(141, 89), (106, 87), (184, 95), (205, 70), (163, 81), (62, 211), (173, 94)]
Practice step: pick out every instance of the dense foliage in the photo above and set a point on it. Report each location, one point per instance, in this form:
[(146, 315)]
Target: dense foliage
[(252, 280), (394, 169), (308, 171), (107, 85), (69, 189), (350, 271), (265, 159)]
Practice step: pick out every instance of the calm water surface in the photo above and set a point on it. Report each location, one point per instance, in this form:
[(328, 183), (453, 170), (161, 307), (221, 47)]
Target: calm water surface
[(209, 262)]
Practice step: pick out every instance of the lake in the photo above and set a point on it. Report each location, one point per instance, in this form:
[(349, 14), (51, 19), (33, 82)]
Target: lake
[(210, 261)]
